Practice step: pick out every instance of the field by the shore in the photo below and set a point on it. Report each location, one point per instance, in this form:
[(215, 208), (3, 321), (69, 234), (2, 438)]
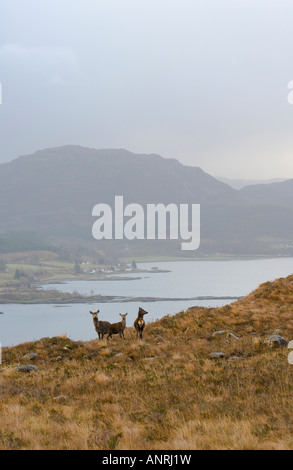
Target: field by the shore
[(23, 273), (165, 392)]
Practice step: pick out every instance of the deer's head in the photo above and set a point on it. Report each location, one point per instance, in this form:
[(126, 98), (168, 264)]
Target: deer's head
[(95, 314), (142, 312), (123, 316)]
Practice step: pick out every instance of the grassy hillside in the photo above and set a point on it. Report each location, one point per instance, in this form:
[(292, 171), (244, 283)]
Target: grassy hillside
[(165, 392)]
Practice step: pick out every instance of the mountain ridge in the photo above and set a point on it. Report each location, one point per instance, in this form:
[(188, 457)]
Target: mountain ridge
[(53, 192)]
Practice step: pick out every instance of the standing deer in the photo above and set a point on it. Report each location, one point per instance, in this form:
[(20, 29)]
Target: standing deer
[(102, 327), (139, 323), (118, 328)]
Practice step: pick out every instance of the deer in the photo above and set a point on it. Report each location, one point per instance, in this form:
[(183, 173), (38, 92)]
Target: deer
[(102, 327), (118, 328), (139, 323)]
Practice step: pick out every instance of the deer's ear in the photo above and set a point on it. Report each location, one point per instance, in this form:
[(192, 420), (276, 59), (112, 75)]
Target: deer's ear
[(126, 314)]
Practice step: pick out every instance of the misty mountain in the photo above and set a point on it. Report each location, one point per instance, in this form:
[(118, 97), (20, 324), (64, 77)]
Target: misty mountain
[(53, 192), (277, 194), (237, 183)]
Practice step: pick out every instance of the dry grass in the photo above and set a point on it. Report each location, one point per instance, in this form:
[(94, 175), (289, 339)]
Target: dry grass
[(161, 393)]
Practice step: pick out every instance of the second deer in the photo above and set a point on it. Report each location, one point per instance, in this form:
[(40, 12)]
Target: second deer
[(118, 328)]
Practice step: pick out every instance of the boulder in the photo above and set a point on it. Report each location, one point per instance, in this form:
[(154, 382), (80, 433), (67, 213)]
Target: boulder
[(230, 335), (276, 341), (290, 358), (217, 355), (27, 369), (60, 399), (31, 356)]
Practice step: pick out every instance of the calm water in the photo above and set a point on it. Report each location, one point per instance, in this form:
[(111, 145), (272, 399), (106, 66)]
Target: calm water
[(187, 279)]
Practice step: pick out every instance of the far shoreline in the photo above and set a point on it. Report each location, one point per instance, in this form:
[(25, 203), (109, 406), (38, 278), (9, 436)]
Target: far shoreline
[(146, 260)]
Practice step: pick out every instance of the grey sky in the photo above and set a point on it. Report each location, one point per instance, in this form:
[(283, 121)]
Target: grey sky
[(204, 81)]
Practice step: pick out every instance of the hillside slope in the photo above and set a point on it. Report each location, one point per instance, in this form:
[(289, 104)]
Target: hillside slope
[(165, 392)]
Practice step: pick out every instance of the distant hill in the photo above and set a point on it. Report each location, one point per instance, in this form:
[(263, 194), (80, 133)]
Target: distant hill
[(279, 194), (53, 192), (237, 183)]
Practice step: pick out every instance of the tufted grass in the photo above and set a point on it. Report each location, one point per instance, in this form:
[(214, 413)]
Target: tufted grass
[(164, 392)]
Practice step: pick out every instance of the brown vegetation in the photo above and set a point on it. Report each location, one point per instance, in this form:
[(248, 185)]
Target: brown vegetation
[(165, 392)]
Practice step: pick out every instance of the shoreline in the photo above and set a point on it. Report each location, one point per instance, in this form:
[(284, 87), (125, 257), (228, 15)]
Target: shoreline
[(36, 295), (144, 260), (105, 277), (113, 299)]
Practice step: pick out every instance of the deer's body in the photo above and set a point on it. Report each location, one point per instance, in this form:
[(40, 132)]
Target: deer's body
[(139, 323), (102, 327), (118, 328)]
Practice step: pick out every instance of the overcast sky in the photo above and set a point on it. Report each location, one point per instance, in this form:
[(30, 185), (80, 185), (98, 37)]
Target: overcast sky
[(204, 81)]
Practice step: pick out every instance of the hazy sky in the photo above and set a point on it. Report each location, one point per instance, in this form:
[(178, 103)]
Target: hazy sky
[(204, 81)]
